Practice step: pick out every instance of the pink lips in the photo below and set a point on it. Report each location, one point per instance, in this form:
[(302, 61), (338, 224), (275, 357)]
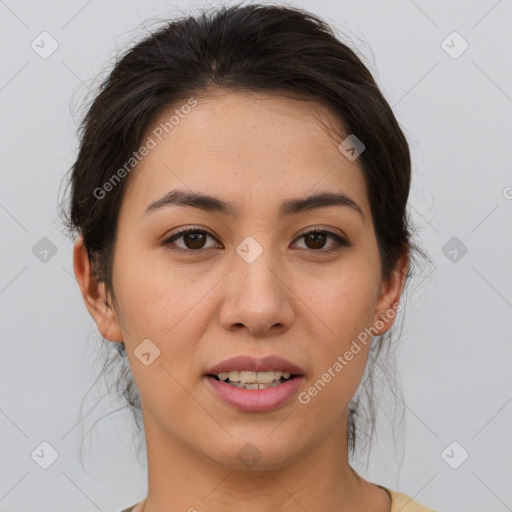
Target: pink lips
[(251, 364), (255, 399)]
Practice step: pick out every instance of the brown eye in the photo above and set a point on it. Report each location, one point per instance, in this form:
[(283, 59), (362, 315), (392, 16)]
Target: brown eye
[(193, 239), (316, 239)]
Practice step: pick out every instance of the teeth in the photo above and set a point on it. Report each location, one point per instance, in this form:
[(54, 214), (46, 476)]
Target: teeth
[(253, 377), (255, 385)]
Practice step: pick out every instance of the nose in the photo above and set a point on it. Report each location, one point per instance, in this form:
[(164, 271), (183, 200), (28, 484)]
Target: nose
[(258, 298)]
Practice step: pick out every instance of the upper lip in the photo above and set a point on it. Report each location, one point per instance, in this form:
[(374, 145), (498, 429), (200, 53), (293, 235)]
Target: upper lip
[(252, 364)]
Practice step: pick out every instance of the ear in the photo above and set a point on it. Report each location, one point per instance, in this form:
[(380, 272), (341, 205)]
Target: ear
[(94, 294), (389, 298)]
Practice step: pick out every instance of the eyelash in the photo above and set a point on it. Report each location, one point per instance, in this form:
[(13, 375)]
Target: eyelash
[(340, 241)]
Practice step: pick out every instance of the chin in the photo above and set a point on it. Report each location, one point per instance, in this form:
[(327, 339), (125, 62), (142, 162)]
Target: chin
[(256, 452)]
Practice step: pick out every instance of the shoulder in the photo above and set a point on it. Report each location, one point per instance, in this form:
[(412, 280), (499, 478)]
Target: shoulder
[(401, 502)]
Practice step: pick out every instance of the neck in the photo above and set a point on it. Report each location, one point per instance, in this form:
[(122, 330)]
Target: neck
[(181, 478)]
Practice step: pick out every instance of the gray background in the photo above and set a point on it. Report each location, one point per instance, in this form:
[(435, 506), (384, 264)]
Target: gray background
[(455, 355)]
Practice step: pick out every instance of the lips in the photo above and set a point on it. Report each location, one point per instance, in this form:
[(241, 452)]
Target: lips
[(248, 398), (255, 400), (251, 364)]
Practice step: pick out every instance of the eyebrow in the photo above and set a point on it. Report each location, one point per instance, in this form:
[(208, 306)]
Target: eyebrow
[(209, 203)]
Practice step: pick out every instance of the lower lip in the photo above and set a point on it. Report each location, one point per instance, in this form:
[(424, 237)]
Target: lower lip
[(256, 399)]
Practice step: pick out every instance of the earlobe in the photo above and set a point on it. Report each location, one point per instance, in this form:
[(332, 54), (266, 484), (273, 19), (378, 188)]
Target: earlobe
[(94, 294)]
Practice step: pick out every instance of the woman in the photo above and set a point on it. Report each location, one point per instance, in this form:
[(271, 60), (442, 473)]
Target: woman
[(240, 200)]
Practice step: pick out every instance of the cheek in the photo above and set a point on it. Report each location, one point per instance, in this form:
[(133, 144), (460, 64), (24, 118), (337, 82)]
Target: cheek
[(170, 307), (153, 296), (346, 307), (347, 302), (341, 357), (163, 305)]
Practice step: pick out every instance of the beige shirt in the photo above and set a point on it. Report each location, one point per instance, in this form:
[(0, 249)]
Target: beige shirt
[(400, 502)]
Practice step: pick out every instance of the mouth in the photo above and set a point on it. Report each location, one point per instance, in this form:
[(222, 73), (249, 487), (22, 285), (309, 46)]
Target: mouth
[(254, 380), (251, 384)]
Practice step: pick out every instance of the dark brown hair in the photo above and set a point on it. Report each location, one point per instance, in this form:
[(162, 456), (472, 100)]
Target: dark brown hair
[(257, 48)]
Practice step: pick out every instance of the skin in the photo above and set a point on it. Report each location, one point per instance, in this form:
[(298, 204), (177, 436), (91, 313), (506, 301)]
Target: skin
[(199, 308)]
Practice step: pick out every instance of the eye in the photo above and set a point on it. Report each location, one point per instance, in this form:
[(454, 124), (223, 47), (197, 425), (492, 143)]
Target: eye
[(316, 238), (194, 239)]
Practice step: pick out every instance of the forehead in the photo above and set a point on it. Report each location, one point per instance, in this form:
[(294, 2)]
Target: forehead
[(239, 145)]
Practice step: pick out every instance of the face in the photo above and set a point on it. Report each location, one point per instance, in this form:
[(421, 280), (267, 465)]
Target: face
[(253, 279)]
